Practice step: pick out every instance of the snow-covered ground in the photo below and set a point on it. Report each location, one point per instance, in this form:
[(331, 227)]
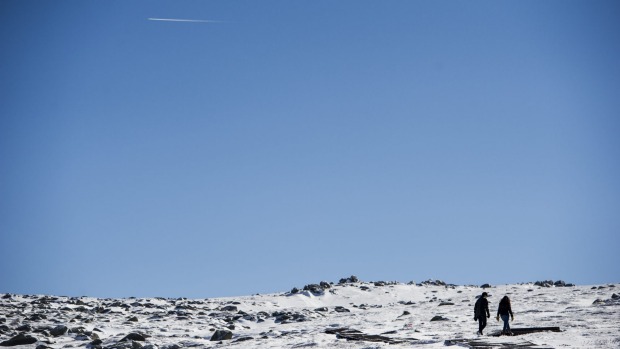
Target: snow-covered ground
[(400, 314)]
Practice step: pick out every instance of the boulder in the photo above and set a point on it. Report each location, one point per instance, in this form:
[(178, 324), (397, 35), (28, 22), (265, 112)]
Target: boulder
[(350, 280), (230, 308), (134, 337), (20, 339), (59, 330), (222, 335)]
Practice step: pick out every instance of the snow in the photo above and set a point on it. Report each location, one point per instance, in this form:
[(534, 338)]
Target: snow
[(397, 311)]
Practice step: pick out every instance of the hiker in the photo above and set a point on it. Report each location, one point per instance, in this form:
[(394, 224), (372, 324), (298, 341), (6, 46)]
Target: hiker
[(504, 310), (481, 312)]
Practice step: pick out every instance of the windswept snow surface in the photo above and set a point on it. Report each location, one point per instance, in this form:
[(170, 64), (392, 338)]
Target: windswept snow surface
[(587, 316)]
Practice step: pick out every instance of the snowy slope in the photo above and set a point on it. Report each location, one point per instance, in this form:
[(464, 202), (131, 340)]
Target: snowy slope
[(588, 316)]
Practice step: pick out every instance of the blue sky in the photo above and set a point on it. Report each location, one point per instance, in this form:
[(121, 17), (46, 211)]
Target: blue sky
[(290, 142)]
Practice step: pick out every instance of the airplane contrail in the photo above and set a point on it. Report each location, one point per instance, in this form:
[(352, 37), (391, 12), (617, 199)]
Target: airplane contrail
[(184, 20)]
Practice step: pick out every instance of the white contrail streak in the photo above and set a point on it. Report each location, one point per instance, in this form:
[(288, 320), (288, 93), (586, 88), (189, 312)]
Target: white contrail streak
[(183, 20)]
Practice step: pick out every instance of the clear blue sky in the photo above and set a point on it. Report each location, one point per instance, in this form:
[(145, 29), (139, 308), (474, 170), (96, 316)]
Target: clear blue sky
[(290, 142)]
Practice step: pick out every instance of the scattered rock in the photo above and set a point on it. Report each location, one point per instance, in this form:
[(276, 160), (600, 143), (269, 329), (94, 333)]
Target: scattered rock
[(439, 318), (433, 283), (350, 280), (485, 286), (340, 309), (24, 328), (59, 330), (230, 308), (134, 337), (221, 335), (20, 339), (243, 339)]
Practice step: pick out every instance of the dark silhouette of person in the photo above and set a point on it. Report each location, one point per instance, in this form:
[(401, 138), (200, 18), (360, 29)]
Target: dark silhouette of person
[(504, 310), (481, 312)]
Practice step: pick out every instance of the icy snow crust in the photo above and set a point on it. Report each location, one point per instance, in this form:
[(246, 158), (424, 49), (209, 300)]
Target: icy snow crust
[(299, 320)]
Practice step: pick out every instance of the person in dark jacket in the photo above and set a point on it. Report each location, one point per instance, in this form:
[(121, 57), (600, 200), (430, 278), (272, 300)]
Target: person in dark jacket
[(504, 310), (481, 312)]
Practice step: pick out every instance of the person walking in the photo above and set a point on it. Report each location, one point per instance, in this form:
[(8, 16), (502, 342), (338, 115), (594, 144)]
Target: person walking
[(504, 310), (481, 312)]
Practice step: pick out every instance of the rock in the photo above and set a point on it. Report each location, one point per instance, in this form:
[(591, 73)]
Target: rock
[(133, 319), (243, 339), (340, 309), (20, 339), (295, 290), (439, 318), (24, 328), (434, 283), (321, 309), (559, 283), (7, 296), (546, 283), (445, 303), (221, 335), (615, 296), (350, 280), (485, 286), (59, 330), (315, 289), (380, 283), (134, 337), (405, 313), (230, 308)]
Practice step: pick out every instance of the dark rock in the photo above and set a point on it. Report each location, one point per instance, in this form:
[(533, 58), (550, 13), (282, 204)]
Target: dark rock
[(615, 296), (230, 308), (380, 283), (24, 328), (321, 309), (340, 309), (133, 319), (434, 283), (295, 290), (221, 335), (559, 283), (485, 286), (37, 317), (243, 339), (546, 283), (43, 346), (7, 296), (59, 330), (439, 318), (355, 335), (445, 303), (134, 337), (315, 289), (350, 280), (20, 339), (405, 313), (325, 285)]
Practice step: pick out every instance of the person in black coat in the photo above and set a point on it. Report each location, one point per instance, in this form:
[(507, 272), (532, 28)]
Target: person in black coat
[(504, 310), (481, 312)]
